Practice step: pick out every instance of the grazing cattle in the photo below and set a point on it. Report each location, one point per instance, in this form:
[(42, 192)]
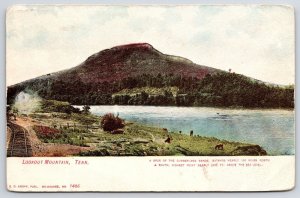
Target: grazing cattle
[(191, 133), (168, 140), (219, 147), (117, 131)]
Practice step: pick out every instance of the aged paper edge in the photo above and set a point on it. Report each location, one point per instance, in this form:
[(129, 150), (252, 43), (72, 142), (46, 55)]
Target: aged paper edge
[(130, 174)]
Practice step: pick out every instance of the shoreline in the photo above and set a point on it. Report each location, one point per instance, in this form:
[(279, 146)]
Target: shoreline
[(137, 139), (213, 107)]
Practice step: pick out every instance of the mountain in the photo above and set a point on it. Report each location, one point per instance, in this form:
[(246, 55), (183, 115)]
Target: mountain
[(103, 77), (130, 60)]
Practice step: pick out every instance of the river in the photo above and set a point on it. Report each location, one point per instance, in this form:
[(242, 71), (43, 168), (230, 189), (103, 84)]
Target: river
[(273, 129)]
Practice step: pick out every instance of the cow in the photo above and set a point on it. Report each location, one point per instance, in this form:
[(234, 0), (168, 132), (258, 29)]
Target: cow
[(219, 147), (191, 133), (168, 140)]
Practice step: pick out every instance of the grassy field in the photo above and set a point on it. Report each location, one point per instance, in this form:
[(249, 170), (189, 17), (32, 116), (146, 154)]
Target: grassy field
[(137, 140)]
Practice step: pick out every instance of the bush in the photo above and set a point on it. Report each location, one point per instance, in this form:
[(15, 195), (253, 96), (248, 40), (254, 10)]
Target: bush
[(111, 122), (44, 132)]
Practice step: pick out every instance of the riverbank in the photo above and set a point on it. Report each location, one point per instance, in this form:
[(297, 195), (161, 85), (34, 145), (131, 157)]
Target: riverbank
[(61, 134), (267, 128)]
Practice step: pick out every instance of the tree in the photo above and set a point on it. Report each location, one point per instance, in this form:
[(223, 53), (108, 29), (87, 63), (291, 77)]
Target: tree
[(110, 122), (86, 109)]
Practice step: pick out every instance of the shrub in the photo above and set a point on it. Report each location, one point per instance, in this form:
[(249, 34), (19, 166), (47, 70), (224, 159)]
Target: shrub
[(111, 122), (44, 132)]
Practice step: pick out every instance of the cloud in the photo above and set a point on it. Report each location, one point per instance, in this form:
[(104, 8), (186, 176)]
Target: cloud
[(257, 41)]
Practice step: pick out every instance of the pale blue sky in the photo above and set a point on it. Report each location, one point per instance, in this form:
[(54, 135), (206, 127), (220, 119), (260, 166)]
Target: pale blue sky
[(257, 41)]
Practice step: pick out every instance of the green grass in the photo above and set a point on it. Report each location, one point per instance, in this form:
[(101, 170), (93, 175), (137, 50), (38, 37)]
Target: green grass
[(85, 118), (137, 139), (204, 145)]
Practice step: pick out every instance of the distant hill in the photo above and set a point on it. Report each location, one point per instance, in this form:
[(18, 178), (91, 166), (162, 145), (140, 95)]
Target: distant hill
[(140, 67)]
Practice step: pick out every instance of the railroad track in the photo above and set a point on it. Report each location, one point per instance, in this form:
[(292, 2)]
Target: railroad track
[(19, 145)]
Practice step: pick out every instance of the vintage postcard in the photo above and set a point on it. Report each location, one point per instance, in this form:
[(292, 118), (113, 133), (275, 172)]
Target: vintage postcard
[(150, 98)]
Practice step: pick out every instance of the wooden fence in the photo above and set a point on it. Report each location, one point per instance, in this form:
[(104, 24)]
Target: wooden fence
[(76, 126)]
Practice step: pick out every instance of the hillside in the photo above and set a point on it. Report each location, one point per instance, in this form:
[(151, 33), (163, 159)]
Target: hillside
[(134, 68)]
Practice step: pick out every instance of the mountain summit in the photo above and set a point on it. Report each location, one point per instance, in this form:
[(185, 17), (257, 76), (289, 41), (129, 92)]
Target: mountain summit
[(133, 60), (138, 74)]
